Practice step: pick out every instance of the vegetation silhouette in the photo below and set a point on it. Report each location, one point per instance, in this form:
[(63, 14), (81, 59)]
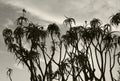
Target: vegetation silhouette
[(80, 54)]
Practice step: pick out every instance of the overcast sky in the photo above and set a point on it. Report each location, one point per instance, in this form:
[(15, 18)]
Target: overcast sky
[(47, 11)]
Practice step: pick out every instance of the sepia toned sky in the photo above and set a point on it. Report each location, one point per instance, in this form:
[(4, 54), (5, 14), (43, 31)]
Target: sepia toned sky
[(44, 12)]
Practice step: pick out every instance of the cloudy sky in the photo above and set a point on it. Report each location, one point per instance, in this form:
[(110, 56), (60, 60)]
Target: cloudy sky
[(44, 12)]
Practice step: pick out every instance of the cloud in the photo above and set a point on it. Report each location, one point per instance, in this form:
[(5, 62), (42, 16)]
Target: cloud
[(54, 10), (8, 23), (34, 10), (47, 11)]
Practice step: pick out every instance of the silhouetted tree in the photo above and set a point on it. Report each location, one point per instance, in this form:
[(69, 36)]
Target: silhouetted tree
[(81, 52)]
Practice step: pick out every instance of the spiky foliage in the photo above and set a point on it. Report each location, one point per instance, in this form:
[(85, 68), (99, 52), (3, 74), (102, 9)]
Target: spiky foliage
[(53, 29), (95, 23), (115, 19), (69, 21)]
